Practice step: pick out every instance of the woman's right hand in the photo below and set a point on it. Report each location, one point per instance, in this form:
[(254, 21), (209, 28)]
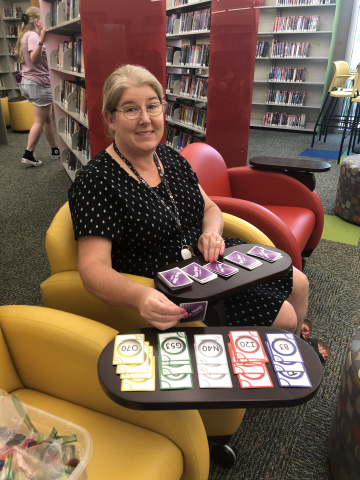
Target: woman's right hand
[(42, 34), (158, 310)]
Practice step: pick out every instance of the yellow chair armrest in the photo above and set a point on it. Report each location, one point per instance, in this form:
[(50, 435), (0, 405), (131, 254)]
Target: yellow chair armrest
[(235, 227)]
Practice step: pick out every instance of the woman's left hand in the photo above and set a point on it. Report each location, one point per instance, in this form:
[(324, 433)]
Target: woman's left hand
[(211, 245)]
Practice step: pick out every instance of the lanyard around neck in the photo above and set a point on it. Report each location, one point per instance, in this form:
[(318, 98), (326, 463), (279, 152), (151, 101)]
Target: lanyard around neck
[(174, 213)]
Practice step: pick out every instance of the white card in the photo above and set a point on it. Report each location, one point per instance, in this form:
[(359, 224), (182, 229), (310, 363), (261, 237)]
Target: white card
[(210, 349), (221, 380), (212, 369)]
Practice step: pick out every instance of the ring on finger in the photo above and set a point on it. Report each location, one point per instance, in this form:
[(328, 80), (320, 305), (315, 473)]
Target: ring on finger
[(218, 242)]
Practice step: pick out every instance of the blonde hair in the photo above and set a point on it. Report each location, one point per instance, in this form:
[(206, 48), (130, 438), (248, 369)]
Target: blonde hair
[(123, 78), (33, 14)]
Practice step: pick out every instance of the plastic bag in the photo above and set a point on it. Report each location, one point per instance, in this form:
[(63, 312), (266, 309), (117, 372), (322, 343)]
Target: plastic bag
[(10, 419)]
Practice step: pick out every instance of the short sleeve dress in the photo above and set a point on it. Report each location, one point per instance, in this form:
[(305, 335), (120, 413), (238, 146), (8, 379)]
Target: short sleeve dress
[(106, 201)]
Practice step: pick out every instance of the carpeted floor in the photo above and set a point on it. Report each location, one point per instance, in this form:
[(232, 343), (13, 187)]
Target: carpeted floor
[(271, 444)]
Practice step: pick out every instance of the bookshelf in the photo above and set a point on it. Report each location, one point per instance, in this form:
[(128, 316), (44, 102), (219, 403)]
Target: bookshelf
[(232, 39), (8, 83), (317, 63)]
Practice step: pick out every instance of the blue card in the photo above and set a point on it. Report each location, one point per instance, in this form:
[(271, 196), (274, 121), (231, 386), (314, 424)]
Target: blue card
[(284, 348), (293, 379), (285, 366)]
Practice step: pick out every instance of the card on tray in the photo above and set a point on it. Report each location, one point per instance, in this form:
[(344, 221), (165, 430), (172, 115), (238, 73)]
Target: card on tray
[(139, 384), (175, 369), (293, 379), (129, 349), (221, 380), (284, 348), (285, 366), (212, 369), (141, 368), (246, 368), (175, 278), (199, 273), (265, 254), (173, 347), (196, 311), (175, 382), (243, 260), (247, 346), (253, 380), (210, 349), (147, 374), (221, 269)]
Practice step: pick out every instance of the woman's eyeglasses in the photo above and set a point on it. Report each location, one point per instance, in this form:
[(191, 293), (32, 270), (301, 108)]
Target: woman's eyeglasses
[(134, 112)]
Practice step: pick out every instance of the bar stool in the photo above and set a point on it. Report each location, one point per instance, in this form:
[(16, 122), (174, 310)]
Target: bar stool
[(351, 120), (336, 90), (21, 114)]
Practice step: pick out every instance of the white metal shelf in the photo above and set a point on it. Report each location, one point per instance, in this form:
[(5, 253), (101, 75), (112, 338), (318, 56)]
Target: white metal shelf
[(308, 127), (285, 105), (278, 7), (188, 6), (199, 33), (289, 83), (187, 97), (74, 115), (185, 125), (292, 58), (299, 32), (68, 72), (82, 158)]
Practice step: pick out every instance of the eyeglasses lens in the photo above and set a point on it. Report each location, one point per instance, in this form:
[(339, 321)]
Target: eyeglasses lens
[(152, 110)]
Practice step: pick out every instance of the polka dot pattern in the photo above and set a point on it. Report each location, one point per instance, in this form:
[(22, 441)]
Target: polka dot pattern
[(105, 201)]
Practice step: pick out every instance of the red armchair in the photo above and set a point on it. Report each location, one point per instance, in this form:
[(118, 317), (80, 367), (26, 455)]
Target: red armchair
[(280, 206)]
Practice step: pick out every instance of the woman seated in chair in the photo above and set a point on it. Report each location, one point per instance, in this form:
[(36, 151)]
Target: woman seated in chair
[(138, 205)]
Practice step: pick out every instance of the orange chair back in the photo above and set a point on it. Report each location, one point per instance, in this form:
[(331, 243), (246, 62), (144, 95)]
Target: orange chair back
[(210, 168)]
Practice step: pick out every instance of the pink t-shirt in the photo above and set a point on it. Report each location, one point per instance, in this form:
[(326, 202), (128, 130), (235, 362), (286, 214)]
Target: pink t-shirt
[(38, 72)]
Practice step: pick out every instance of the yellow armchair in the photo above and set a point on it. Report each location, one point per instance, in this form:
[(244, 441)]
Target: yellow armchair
[(49, 359)]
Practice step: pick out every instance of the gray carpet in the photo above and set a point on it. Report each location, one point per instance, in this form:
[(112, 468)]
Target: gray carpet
[(271, 444)]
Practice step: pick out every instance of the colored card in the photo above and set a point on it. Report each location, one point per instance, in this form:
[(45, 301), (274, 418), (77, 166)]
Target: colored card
[(175, 369), (249, 368), (148, 374), (175, 382), (174, 347), (129, 349), (284, 366), (265, 254), (221, 380), (141, 368), (221, 269), (243, 260), (210, 349), (293, 379), (247, 346), (255, 380), (199, 273), (139, 384), (196, 311), (175, 278), (284, 347)]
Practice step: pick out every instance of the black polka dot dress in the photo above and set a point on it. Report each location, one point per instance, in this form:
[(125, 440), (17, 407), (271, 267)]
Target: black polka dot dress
[(106, 201)]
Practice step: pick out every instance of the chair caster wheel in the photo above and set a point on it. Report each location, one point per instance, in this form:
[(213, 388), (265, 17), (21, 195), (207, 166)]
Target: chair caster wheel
[(223, 456)]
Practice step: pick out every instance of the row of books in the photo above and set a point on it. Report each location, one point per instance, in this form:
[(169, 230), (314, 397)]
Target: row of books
[(73, 162), (12, 12), (177, 3), (195, 117), (283, 97), (193, 86), (17, 68), (72, 10), (287, 74), (12, 31), (66, 88), (183, 140), (77, 55), (195, 55), (298, 24), (261, 49), (11, 48), (281, 3), (170, 108), (289, 49), (83, 141), (283, 119), (195, 21)]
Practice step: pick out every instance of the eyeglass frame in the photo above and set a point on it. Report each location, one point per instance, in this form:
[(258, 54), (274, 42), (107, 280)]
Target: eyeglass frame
[(142, 108)]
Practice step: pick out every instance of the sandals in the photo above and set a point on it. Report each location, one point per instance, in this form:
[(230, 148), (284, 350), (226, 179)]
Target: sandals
[(314, 343)]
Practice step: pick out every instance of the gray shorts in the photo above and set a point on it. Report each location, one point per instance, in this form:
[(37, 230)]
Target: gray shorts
[(35, 92)]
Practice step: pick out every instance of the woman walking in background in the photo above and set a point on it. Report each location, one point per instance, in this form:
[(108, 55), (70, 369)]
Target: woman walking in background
[(35, 85)]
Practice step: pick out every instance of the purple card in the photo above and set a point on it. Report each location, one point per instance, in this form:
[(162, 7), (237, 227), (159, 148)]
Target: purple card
[(293, 379), (196, 311), (175, 277), (241, 259), (198, 272), (264, 253), (221, 268)]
